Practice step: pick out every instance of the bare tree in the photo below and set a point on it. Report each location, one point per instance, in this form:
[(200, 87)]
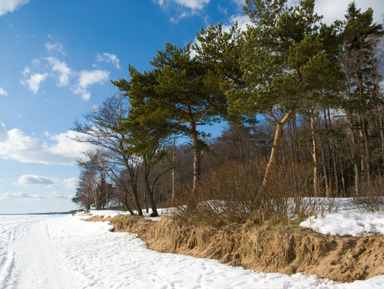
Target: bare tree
[(97, 131)]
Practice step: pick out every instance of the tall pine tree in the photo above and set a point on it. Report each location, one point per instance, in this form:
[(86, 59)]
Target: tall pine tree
[(282, 57)]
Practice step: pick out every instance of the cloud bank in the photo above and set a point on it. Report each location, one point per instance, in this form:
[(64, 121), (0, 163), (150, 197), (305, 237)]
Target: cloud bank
[(18, 146), (11, 5), (333, 10), (21, 196), (33, 180)]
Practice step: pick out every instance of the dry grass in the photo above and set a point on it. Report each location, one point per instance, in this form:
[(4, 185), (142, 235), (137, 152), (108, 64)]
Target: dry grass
[(267, 248)]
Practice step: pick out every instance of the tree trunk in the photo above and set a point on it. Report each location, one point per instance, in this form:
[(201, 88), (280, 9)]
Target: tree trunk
[(276, 141), (316, 186), (354, 152), (132, 182), (117, 179), (136, 199), (196, 156), (381, 124), (367, 153), (294, 145), (173, 172), (335, 170), (126, 204), (325, 171), (343, 186), (88, 206), (148, 191), (366, 156)]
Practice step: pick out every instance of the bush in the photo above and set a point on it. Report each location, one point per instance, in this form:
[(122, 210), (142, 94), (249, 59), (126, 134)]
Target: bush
[(371, 196), (233, 194)]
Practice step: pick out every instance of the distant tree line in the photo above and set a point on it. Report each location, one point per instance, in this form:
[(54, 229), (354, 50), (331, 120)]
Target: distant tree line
[(292, 90)]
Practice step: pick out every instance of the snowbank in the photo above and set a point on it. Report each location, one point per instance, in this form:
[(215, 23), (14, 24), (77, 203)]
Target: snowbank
[(347, 220)]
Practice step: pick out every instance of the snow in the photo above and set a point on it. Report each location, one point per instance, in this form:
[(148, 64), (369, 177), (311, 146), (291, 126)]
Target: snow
[(63, 251), (354, 224), (114, 213), (347, 220)]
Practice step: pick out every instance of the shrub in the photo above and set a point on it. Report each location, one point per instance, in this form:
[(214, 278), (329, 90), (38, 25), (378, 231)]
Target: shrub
[(371, 196), (233, 194)]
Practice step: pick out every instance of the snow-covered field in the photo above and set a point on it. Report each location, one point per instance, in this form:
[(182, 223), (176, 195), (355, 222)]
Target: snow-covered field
[(62, 251)]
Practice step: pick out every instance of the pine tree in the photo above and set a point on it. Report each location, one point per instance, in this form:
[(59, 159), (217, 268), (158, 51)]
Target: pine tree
[(188, 92), (284, 62), (361, 94), (145, 126)]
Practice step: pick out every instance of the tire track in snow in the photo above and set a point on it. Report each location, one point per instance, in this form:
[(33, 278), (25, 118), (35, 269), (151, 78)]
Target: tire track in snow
[(43, 267), (7, 269), (8, 231)]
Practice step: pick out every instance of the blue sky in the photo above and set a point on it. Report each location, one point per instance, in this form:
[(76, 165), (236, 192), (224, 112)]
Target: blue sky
[(56, 62)]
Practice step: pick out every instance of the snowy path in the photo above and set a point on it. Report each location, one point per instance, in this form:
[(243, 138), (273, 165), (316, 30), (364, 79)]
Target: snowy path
[(49, 252)]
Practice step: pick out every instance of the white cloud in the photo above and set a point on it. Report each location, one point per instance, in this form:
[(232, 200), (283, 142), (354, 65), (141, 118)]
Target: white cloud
[(71, 183), (33, 180), (26, 71), (192, 4), (332, 10), (67, 147), (181, 16), (17, 196), (182, 7), (55, 46), (34, 81), (3, 133), (109, 58), (62, 69), (16, 145), (21, 196), (335, 10), (242, 20), (36, 62), (11, 5), (56, 195), (88, 78), (3, 92), (240, 3)]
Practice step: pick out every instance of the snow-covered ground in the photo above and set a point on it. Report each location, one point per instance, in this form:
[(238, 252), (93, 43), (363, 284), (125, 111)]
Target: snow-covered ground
[(347, 220), (62, 251)]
